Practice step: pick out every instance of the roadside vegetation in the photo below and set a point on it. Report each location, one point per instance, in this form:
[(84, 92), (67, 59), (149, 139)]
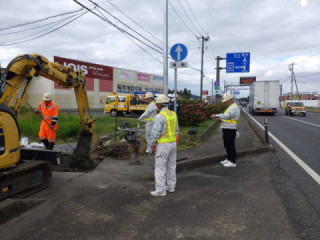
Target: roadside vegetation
[(313, 109), (195, 115)]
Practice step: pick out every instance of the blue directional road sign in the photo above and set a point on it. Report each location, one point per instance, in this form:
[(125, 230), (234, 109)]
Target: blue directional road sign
[(178, 52), (238, 62)]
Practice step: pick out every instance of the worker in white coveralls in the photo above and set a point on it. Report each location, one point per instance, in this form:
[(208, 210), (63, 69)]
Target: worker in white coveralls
[(229, 120), (148, 117), (164, 137)]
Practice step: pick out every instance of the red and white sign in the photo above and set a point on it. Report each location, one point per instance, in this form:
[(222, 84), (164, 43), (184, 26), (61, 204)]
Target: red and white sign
[(125, 75), (143, 77), (90, 70), (205, 92)]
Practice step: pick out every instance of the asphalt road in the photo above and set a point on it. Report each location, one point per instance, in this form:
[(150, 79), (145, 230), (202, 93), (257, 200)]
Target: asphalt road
[(301, 135)]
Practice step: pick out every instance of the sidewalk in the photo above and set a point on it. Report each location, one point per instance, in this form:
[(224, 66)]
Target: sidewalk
[(113, 201)]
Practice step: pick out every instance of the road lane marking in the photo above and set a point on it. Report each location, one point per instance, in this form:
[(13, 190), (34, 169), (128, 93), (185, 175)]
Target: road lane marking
[(303, 121), (301, 163)]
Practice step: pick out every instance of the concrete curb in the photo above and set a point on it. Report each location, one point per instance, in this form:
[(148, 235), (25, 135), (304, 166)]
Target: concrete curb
[(208, 131), (12, 208), (190, 164), (255, 128)]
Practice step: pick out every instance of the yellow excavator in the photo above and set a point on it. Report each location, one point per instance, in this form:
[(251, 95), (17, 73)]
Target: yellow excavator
[(18, 176)]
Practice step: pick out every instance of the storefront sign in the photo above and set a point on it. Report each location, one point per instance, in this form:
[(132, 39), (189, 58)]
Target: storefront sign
[(90, 70), (143, 77)]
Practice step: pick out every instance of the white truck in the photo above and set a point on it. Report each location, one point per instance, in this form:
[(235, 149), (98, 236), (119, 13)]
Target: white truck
[(264, 97)]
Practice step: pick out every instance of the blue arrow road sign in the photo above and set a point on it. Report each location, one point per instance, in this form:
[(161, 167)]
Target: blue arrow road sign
[(238, 62), (178, 52)]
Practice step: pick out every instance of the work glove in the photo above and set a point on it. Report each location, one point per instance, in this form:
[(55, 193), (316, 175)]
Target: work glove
[(37, 111), (154, 147)]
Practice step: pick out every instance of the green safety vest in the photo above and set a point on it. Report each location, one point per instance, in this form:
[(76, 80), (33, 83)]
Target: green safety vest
[(171, 122), (229, 120)]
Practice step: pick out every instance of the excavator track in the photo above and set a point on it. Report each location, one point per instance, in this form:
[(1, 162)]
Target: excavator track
[(24, 179)]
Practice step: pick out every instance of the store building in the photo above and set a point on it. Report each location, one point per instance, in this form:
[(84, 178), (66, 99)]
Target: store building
[(100, 81)]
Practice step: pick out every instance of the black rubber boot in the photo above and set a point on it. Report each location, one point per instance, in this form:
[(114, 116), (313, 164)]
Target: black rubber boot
[(46, 143), (51, 145)]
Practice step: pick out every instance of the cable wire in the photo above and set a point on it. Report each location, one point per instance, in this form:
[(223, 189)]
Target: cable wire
[(55, 29), (189, 18), (40, 20), (195, 17), (97, 5), (182, 20), (135, 22), (24, 30)]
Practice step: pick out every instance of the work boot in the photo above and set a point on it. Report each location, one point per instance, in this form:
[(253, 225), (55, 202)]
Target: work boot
[(230, 164), (46, 143), (158, 194), (51, 145), (224, 161)]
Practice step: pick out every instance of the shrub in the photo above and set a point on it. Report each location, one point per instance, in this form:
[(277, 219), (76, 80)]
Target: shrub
[(195, 112)]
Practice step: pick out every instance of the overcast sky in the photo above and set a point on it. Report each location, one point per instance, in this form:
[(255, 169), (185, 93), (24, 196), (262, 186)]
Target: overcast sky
[(275, 32)]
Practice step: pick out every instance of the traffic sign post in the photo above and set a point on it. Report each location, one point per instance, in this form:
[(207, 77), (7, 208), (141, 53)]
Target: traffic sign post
[(178, 52), (238, 62)]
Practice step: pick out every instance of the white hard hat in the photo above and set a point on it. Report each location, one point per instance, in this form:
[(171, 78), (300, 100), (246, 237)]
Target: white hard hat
[(47, 97), (149, 95), (162, 99), (170, 95), (226, 97)]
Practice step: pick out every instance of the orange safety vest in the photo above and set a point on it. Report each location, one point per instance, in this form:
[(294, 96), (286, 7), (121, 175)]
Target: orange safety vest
[(49, 115), (229, 120), (171, 122)]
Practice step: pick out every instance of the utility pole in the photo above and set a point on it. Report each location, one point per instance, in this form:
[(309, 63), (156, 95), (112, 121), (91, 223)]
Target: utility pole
[(292, 72), (218, 68), (201, 72), (212, 90), (280, 96), (165, 51)]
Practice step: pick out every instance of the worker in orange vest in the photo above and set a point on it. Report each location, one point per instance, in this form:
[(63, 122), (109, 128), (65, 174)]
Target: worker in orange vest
[(49, 124)]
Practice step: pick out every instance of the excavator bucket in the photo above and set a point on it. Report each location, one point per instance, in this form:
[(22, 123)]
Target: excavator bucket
[(80, 158)]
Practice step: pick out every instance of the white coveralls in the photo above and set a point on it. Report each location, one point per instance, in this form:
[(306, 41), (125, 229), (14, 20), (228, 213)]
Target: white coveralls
[(148, 117), (166, 156)]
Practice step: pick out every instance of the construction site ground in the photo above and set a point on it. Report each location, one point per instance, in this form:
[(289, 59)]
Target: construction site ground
[(211, 201)]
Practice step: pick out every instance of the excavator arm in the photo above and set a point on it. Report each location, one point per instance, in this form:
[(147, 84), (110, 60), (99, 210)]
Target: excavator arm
[(20, 72)]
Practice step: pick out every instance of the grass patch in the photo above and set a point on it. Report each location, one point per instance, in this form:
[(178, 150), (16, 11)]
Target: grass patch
[(313, 109), (69, 127), (188, 141)]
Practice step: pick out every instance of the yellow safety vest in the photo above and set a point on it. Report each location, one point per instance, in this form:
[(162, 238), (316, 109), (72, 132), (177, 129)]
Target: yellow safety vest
[(149, 119), (229, 120), (171, 122)]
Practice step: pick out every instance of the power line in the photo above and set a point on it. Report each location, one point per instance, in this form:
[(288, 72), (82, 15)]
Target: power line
[(55, 29), (182, 20), (135, 21), (195, 17), (51, 23), (313, 74), (40, 20), (97, 5), (127, 34), (189, 18)]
